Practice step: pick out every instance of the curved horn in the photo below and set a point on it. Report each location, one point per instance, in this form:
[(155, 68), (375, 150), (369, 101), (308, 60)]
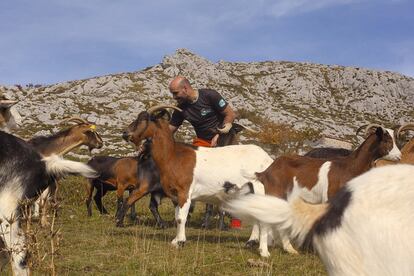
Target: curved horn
[(159, 107), (408, 126), (359, 129), (75, 120), (7, 103), (371, 126), (248, 128), (367, 128)]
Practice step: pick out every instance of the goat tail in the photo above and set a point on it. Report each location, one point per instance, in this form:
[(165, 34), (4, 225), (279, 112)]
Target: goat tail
[(58, 167), (266, 209)]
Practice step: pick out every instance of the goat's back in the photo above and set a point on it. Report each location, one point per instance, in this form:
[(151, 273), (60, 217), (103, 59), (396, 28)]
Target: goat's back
[(103, 165), (278, 177), (328, 152)]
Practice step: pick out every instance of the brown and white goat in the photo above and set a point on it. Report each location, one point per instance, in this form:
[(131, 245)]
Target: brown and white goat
[(60, 143), (320, 179), (190, 173), (407, 151)]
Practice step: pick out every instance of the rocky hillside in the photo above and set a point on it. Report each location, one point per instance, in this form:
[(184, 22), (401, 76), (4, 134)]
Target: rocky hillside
[(332, 99)]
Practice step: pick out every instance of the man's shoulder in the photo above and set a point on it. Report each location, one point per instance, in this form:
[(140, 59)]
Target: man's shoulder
[(207, 90), (209, 93)]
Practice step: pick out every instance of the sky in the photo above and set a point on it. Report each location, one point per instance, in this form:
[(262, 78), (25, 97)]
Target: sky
[(51, 41)]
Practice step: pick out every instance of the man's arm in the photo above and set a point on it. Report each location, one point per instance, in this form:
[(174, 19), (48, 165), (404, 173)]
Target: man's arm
[(229, 115)]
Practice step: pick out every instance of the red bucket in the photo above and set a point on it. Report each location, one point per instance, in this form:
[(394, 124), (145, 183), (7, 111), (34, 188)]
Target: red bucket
[(235, 223)]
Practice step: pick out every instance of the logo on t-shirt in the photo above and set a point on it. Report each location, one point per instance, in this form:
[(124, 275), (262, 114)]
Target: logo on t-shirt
[(205, 111), (222, 103)]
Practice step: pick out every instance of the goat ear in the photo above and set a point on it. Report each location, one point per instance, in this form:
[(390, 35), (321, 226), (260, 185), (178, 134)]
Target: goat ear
[(237, 127), (379, 132), (160, 114)]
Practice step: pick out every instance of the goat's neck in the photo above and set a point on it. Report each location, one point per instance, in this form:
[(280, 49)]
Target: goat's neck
[(408, 147), (61, 146), (365, 154), (163, 146)]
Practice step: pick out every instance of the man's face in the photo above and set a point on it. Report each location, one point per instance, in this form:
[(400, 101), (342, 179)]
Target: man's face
[(179, 94)]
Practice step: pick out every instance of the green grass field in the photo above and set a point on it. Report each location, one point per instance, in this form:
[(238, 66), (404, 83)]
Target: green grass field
[(94, 246)]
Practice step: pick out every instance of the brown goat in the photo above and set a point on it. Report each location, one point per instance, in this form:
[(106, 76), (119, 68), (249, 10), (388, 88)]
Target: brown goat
[(60, 143)]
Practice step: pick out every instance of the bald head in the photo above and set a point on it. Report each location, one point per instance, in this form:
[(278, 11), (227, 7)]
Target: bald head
[(179, 82), (181, 90)]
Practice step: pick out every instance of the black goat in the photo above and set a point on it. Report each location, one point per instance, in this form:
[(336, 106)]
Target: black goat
[(24, 174)]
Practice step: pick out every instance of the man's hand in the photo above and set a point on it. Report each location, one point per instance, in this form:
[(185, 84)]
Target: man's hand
[(225, 129), (214, 140)]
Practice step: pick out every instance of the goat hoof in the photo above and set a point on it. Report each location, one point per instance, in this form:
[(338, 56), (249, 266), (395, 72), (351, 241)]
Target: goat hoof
[(251, 243), (264, 254), (162, 225), (119, 224), (204, 225), (292, 251), (177, 244)]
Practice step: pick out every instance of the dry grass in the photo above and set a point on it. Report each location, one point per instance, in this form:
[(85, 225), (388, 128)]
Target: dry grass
[(94, 246)]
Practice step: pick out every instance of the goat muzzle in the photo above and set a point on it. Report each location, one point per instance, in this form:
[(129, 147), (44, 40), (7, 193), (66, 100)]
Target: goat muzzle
[(126, 136)]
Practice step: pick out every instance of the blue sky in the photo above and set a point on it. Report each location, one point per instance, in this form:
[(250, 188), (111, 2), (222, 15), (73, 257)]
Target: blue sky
[(45, 41)]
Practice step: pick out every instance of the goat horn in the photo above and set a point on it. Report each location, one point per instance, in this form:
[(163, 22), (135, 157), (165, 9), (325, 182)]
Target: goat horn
[(359, 129), (159, 107), (248, 128), (75, 120), (367, 128), (6, 102), (409, 126)]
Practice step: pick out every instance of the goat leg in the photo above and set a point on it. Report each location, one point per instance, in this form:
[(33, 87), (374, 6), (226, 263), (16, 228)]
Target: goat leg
[(222, 225), (207, 215), (154, 203), (133, 214), (123, 206)]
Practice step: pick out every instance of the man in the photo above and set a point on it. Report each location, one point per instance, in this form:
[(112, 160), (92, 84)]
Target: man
[(207, 111)]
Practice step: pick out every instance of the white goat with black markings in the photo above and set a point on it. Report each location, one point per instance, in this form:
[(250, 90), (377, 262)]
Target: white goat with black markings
[(24, 174), (189, 173), (366, 229)]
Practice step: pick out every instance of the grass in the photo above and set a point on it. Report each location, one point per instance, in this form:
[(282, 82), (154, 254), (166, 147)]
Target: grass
[(94, 246)]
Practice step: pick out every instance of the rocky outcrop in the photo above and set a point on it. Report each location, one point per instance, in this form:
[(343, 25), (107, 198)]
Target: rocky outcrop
[(334, 99)]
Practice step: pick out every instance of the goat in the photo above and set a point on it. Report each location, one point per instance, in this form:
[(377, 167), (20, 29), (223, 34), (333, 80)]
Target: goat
[(23, 175), (407, 151), (190, 173), (60, 143), (365, 229), (333, 152), (322, 178), (125, 173)]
